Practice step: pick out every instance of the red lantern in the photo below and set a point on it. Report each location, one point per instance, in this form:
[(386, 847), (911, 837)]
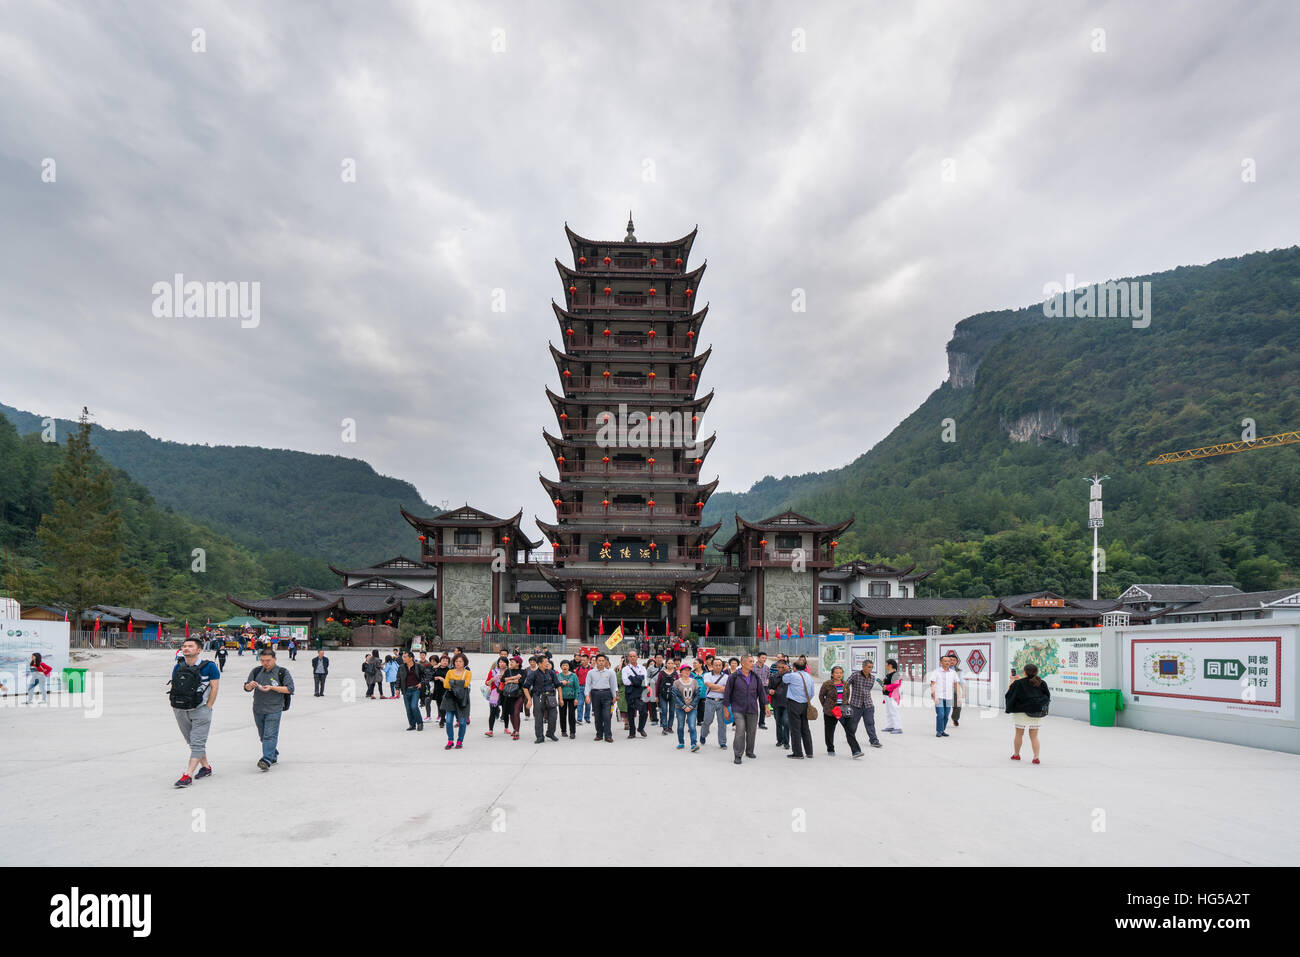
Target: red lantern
[(1056, 624), (653, 261), (695, 418), (566, 373), (618, 598), (651, 503), (679, 262), (605, 418), (692, 377), (568, 332), (699, 461), (564, 416), (605, 459), (651, 374), (607, 260), (605, 502), (347, 621), (642, 596), (951, 626), (605, 545), (701, 546), (651, 460), (664, 596), (560, 459), (372, 621), (608, 290), (330, 618), (699, 504), (652, 291), (653, 546), (582, 260), (559, 501), (424, 538), (572, 290), (651, 333), (505, 539), (388, 621), (555, 544), (650, 418), (834, 544), (594, 596), (763, 542), (689, 293), (690, 334), (907, 625), (606, 332), (605, 373)]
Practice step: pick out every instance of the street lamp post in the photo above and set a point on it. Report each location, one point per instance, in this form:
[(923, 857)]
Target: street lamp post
[(1095, 522)]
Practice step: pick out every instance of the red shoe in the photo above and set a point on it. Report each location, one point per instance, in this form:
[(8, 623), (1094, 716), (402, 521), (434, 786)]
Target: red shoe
[(1015, 757), (1035, 760), (515, 736), (487, 734), (449, 746), (458, 745)]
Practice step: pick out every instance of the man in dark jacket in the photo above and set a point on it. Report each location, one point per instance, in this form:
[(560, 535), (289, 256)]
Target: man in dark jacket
[(541, 689), (777, 689), (320, 667), (746, 699)]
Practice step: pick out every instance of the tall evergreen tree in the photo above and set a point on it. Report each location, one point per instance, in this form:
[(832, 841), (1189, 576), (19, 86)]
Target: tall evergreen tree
[(82, 539)]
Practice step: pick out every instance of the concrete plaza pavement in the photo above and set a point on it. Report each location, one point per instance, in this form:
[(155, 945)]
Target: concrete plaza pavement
[(354, 787)]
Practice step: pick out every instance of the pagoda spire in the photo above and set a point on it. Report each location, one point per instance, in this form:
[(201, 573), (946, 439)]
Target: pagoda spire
[(630, 238)]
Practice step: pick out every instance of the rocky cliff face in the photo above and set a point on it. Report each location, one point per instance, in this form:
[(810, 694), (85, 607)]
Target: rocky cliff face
[(1039, 426), (961, 369)]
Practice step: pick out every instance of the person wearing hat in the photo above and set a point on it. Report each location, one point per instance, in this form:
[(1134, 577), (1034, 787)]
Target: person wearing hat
[(683, 693), (944, 690)]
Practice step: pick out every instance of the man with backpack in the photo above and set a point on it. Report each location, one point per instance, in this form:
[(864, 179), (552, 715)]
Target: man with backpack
[(192, 693), (272, 689)]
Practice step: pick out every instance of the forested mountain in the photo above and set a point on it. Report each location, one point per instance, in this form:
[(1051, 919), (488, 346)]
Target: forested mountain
[(156, 567), (1037, 403), (324, 507)]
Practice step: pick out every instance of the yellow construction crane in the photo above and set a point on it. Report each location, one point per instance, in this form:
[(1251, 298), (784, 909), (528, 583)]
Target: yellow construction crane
[(1206, 451)]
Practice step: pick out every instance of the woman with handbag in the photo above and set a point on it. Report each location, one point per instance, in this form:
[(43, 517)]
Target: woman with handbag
[(892, 683), (456, 700), (492, 691), (834, 696), (799, 709), (1028, 699), (512, 696)]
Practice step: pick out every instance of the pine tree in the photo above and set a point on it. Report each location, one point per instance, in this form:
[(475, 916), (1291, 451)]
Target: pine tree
[(82, 539)]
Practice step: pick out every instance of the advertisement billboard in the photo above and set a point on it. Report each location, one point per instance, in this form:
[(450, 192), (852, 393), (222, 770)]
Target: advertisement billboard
[(1239, 676), (1069, 661), (19, 638)]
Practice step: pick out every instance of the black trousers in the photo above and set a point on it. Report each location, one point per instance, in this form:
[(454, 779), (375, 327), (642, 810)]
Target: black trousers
[(601, 702), (868, 718), (320, 684), (543, 711), (635, 706), (800, 734), (569, 717), (831, 722)]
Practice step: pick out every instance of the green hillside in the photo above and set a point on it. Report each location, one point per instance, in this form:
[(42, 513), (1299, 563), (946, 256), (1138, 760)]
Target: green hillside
[(1092, 395), (323, 507)]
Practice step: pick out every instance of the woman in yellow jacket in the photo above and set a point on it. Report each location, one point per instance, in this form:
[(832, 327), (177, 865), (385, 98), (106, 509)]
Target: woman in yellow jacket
[(456, 699)]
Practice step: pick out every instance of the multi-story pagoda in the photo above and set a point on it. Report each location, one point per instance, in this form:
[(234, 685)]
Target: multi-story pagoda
[(628, 540)]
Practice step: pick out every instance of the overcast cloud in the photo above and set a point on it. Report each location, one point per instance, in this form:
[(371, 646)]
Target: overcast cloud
[(820, 170)]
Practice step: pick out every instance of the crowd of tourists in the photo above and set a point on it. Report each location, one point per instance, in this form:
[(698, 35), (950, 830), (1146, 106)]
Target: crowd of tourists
[(695, 700)]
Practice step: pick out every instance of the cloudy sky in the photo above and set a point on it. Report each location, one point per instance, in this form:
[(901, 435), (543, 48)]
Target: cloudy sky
[(905, 164)]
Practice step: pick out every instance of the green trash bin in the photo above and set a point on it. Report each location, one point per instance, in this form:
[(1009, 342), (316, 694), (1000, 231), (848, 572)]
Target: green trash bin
[(1102, 705), (74, 680)]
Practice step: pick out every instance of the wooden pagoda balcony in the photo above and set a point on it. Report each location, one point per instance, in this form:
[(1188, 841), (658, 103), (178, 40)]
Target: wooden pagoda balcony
[(786, 556), (624, 470), (622, 510), (637, 343), (628, 264), (628, 300), (661, 385)]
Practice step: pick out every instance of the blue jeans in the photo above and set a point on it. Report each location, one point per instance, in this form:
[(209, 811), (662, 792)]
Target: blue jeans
[(584, 706), (713, 708), (455, 717), (666, 711), (268, 729), (942, 709), (685, 719), (411, 698), (782, 724)]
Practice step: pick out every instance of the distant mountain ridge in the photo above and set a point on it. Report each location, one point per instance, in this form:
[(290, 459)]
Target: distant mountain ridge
[(329, 507), (1038, 402)]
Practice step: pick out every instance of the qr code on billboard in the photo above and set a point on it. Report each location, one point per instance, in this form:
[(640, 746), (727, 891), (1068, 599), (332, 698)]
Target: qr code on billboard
[(1074, 659), (1091, 659)]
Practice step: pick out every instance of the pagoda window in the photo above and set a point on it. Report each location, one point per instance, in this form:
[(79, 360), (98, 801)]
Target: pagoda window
[(467, 536), (830, 593), (629, 500), (787, 540), (878, 590)]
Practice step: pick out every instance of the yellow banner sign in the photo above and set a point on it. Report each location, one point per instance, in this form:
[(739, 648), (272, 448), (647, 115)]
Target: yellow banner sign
[(614, 638)]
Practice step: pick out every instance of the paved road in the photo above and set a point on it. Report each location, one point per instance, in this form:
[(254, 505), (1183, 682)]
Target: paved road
[(354, 787)]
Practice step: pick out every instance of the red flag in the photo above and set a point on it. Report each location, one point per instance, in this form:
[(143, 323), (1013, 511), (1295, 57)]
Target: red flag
[(130, 626), (667, 630), (801, 626), (601, 630), (482, 626), (787, 628), (706, 627), (507, 624), (561, 622), (496, 626), (96, 624), (528, 625), (187, 627), (65, 614)]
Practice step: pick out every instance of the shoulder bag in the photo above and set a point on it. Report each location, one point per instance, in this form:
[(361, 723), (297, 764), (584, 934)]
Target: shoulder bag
[(812, 714)]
